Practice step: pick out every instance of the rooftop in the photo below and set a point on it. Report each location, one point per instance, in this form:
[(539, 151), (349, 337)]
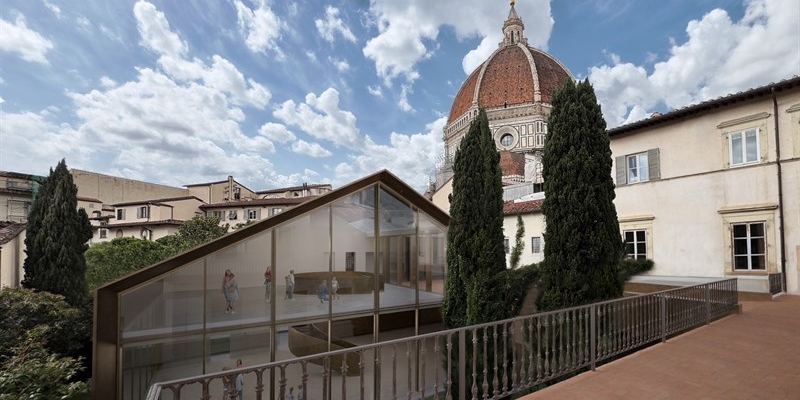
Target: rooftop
[(753, 355)]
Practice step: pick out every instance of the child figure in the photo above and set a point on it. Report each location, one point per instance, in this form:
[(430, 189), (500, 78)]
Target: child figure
[(334, 288)]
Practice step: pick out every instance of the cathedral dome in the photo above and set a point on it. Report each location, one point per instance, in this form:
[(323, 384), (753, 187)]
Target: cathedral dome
[(515, 74)]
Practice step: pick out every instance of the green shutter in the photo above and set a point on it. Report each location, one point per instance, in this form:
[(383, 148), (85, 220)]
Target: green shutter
[(622, 176), (653, 164)]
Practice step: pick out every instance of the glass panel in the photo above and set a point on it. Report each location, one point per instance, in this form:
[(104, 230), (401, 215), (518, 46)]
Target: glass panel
[(235, 287), (740, 262), (432, 238), (751, 143), (298, 340), (302, 261), (397, 224), (633, 173), (629, 235), (630, 248), (640, 236), (166, 306), (757, 246), (351, 283), (740, 246), (644, 174), (758, 262), (641, 248), (740, 231), (757, 230), (161, 360), (736, 148), (238, 349)]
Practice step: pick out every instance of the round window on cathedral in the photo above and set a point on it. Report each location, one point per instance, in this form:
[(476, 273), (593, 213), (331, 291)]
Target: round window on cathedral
[(506, 140)]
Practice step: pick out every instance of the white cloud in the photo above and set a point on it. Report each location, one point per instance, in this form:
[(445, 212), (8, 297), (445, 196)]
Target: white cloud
[(107, 82), (276, 132), (405, 26), (375, 91), (222, 75), (28, 44), (261, 27), (321, 117), (340, 65), (719, 57), (310, 149), (403, 102), (410, 157), (53, 142), (54, 8), (333, 24)]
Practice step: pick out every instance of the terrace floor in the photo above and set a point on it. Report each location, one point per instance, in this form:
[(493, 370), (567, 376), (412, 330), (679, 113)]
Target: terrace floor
[(753, 355)]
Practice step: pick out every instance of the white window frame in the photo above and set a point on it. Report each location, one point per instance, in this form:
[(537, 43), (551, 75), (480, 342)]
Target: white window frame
[(742, 136), (103, 232), (749, 251), (143, 212), (120, 214), (640, 171), (276, 210), (219, 214), (537, 245), (252, 214), (636, 255)]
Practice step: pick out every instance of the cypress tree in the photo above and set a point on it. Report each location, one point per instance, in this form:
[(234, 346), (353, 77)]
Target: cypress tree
[(582, 241), (56, 238), (477, 286)]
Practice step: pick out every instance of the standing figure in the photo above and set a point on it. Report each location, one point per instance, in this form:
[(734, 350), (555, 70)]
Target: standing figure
[(228, 388), (322, 292), (290, 285), (268, 284), (239, 381), (230, 289), (290, 394), (300, 394), (334, 288)]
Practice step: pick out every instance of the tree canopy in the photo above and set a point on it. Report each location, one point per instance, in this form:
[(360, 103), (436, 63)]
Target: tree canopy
[(108, 261), (583, 244), (56, 236)]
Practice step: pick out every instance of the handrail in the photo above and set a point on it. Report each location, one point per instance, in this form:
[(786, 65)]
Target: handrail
[(504, 357)]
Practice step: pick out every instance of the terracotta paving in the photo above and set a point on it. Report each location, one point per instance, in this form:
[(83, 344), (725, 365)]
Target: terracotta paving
[(753, 355)]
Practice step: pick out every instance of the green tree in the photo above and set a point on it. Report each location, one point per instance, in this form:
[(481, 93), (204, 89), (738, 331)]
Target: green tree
[(478, 287), (584, 247), (33, 372), (197, 231), (519, 244), (23, 309), (108, 261), (56, 238)]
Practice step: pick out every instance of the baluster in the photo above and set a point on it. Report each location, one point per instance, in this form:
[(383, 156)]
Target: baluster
[(436, 358), (282, 382), (361, 367), (495, 381), (538, 352), (326, 365), (485, 363), (304, 377), (474, 365), (514, 363), (408, 370), (394, 371), (422, 361), (260, 383), (448, 386), (344, 375), (505, 358)]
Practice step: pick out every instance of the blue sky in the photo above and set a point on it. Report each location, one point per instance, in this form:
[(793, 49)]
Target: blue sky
[(277, 93)]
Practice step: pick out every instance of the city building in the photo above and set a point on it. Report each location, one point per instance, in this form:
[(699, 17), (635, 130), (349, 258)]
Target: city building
[(723, 172)]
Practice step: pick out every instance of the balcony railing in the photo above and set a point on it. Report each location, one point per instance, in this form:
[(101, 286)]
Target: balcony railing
[(488, 361)]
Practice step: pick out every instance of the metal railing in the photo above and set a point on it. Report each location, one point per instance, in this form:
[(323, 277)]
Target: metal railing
[(488, 361), (775, 283)]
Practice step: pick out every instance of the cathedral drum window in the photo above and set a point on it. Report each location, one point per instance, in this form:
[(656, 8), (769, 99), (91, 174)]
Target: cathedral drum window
[(507, 140)]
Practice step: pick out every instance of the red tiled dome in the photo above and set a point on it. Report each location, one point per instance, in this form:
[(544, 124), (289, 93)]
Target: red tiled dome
[(508, 78)]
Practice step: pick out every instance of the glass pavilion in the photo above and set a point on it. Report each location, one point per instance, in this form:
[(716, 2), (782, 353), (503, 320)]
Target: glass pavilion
[(383, 241)]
